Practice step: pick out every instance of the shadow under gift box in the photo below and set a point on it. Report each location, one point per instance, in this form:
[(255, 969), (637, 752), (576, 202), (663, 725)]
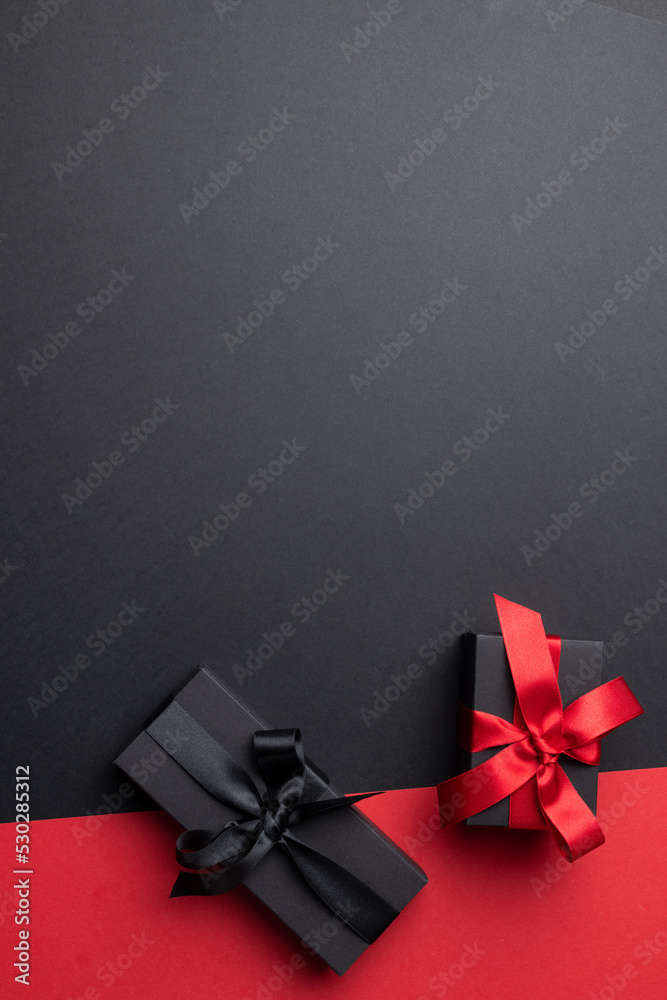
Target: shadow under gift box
[(344, 834), (487, 686)]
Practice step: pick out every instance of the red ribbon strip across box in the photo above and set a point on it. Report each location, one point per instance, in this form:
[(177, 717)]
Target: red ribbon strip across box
[(527, 769)]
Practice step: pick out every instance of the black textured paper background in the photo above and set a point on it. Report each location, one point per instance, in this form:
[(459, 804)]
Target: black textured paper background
[(395, 583)]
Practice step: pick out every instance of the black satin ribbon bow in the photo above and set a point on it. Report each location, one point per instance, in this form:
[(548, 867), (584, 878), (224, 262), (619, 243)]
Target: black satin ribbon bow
[(292, 788)]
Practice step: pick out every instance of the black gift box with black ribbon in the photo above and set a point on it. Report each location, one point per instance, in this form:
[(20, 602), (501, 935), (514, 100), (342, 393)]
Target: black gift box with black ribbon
[(248, 794)]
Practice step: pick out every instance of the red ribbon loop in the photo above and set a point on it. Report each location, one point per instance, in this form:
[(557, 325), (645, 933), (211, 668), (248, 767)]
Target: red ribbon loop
[(540, 733)]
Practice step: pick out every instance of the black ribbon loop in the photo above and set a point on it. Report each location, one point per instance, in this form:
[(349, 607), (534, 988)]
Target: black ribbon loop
[(291, 796)]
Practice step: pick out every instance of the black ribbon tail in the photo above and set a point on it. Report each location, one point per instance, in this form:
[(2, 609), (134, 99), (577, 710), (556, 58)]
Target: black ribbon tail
[(354, 902), (197, 849), (214, 883), (205, 884), (307, 809)]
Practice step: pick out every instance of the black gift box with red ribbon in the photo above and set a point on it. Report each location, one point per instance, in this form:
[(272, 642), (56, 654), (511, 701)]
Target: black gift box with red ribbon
[(533, 745), (487, 686)]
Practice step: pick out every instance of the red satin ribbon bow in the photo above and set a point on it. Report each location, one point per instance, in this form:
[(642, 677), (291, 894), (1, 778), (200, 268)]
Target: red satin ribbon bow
[(535, 746)]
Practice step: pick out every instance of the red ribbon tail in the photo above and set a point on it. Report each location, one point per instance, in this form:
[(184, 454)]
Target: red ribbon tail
[(597, 712), (467, 794), (573, 826)]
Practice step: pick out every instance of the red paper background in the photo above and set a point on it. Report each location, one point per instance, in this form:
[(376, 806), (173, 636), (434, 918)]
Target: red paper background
[(495, 894)]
